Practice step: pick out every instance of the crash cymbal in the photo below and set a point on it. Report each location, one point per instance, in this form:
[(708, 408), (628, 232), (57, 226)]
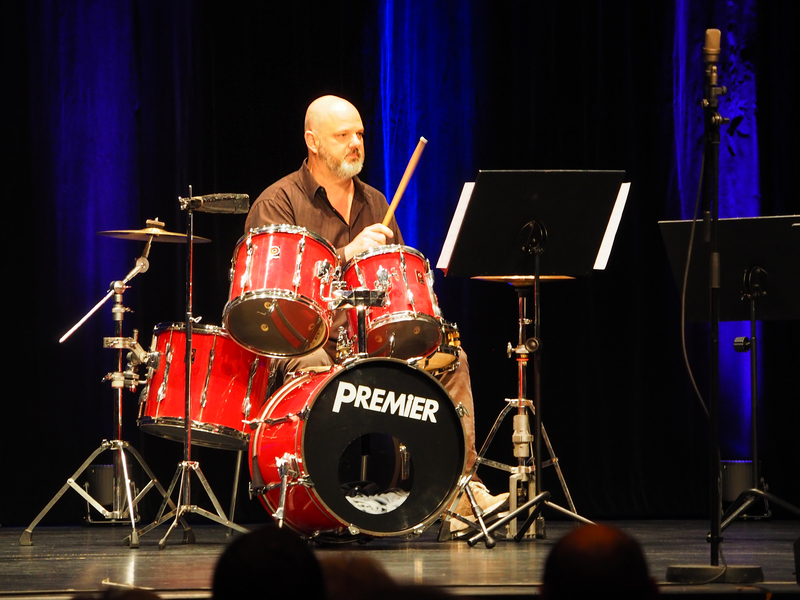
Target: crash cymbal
[(521, 280), (155, 232)]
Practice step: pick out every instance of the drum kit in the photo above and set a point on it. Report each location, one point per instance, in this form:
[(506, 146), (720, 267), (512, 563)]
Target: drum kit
[(371, 446), (332, 444)]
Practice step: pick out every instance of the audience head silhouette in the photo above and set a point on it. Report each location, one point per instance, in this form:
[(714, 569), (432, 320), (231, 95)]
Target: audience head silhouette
[(597, 561), (270, 562)]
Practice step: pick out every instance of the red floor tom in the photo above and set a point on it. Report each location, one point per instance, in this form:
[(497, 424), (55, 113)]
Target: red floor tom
[(229, 385)]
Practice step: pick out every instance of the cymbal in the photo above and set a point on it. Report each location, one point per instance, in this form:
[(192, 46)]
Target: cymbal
[(521, 280), (155, 233)]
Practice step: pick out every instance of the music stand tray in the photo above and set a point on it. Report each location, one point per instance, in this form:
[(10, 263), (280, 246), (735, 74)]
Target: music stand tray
[(490, 233), (770, 243)]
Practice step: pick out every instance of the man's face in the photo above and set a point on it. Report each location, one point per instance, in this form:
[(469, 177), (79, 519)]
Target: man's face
[(341, 144)]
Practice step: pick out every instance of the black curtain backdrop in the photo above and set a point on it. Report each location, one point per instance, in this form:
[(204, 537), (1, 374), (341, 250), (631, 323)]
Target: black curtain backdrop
[(221, 91)]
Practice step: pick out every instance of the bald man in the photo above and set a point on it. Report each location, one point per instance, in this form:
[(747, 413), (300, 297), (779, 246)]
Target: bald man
[(326, 197)]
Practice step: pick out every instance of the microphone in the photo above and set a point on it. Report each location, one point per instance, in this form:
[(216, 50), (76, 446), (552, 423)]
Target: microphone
[(711, 54), (711, 46)]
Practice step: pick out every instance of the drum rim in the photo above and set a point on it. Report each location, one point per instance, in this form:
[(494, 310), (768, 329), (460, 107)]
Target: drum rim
[(402, 317), (284, 228), (313, 494), (385, 249), (279, 294), (221, 431), (196, 328)]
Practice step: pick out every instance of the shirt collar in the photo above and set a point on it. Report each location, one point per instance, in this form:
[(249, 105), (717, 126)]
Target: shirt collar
[(311, 187)]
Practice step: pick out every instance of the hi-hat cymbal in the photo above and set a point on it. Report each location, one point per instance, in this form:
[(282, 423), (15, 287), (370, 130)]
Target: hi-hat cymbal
[(155, 233), (521, 280)]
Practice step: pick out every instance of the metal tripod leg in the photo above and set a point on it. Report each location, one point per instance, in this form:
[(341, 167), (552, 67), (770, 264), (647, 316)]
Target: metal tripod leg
[(183, 474), (554, 462), (746, 499), (235, 492), (516, 476), (128, 511)]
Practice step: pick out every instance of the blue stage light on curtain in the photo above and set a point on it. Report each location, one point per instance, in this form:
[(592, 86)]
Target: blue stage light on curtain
[(84, 124), (427, 90), (739, 190)]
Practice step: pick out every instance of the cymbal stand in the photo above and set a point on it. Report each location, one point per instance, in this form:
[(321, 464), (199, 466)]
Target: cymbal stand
[(182, 477), (123, 501), (527, 499)]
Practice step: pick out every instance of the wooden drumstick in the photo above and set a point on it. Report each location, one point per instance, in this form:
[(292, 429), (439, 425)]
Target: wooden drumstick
[(412, 164)]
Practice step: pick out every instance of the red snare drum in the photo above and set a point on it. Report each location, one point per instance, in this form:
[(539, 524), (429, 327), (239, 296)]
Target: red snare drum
[(280, 277), (229, 385), (406, 325), (321, 424)]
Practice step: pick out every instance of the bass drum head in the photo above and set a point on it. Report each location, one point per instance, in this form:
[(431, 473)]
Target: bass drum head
[(404, 423)]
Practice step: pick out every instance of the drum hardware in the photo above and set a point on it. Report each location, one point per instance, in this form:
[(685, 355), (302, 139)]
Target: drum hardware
[(360, 299), (301, 415), (287, 467), (526, 498), (182, 477), (124, 501), (476, 510)]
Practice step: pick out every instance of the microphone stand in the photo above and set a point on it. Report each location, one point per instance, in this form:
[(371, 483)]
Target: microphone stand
[(182, 477), (712, 123)]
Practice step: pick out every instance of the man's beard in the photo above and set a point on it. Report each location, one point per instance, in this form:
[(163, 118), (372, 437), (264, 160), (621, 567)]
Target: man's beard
[(343, 168)]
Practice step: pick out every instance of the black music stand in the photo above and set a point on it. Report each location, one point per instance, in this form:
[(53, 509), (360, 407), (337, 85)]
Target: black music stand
[(759, 280), (532, 225)]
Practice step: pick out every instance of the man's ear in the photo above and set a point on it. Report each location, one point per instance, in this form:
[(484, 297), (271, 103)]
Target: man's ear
[(312, 141)]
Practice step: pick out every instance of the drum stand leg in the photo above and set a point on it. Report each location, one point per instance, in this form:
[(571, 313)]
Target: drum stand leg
[(182, 480), (127, 509), (235, 492)]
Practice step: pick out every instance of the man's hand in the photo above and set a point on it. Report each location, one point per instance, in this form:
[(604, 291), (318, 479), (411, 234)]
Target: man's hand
[(371, 237)]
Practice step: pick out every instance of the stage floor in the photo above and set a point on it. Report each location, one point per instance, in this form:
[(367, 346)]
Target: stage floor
[(65, 561)]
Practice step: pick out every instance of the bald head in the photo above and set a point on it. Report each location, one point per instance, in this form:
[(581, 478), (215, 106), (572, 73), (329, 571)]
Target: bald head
[(597, 560), (328, 110), (334, 137)]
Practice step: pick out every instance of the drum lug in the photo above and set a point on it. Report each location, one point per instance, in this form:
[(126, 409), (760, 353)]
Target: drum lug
[(246, 405), (298, 265), (248, 262), (353, 530), (287, 467), (382, 283), (323, 270)]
